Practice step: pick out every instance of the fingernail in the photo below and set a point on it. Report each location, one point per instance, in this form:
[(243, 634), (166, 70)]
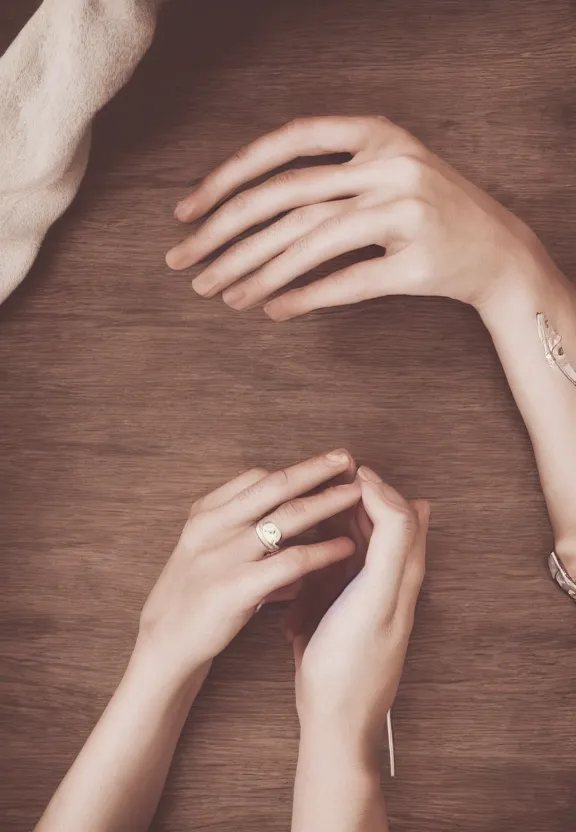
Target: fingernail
[(368, 474), (274, 315), (204, 285), (339, 457), (175, 258), (181, 211), (233, 296)]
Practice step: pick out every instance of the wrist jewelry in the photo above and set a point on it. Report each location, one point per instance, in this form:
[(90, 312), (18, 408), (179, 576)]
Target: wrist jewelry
[(391, 756), (561, 576), (553, 349)]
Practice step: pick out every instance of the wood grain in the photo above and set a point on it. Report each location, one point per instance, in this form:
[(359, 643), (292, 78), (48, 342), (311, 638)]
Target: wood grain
[(123, 396)]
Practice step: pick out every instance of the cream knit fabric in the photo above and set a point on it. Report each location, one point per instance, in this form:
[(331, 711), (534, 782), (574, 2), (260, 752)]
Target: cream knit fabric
[(68, 61)]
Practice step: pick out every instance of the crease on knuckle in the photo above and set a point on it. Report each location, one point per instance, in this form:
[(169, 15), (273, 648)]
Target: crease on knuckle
[(241, 154), (287, 177), (299, 245), (409, 525), (302, 216), (332, 223), (239, 249), (238, 203), (282, 477), (293, 508), (250, 492)]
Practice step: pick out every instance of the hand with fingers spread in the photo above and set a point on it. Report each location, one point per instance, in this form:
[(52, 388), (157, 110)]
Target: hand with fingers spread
[(349, 659), (439, 234), (228, 560)]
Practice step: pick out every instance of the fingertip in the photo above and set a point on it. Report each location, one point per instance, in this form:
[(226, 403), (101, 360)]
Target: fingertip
[(175, 259), (348, 546), (379, 497), (186, 210), (273, 312), (423, 509), (180, 212)]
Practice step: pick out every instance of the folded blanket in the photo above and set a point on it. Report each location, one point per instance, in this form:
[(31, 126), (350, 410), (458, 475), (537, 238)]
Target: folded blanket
[(68, 61)]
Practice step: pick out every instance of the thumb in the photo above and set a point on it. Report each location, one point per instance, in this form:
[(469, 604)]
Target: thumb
[(395, 525)]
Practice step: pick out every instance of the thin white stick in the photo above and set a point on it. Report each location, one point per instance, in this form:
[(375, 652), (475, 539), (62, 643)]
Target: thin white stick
[(391, 744)]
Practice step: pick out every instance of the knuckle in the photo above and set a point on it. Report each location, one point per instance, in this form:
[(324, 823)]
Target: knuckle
[(257, 473), (333, 223), (196, 507), (298, 217), (287, 177), (305, 216), (416, 212), (242, 153), (241, 248), (282, 477), (238, 203), (411, 170), (294, 125), (299, 245), (250, 492), (408, 524), (293, 508), (380, 122)]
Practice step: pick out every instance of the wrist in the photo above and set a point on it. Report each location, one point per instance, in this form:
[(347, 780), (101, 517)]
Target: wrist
[(155, 671), (340, 743), (535, 284)]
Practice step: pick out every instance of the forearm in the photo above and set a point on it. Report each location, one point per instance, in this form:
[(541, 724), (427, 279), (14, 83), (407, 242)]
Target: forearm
[(545, 397), (116, 781), (337, 785)]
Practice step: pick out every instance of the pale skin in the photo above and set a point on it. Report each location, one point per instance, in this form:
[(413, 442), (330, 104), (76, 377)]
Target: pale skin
[(440, 235), (370, 550)]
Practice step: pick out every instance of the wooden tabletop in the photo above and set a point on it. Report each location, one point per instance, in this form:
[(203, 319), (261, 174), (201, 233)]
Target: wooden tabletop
[(123, 396)]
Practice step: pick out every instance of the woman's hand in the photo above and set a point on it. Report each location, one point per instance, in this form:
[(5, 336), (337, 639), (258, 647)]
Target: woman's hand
[(350, 641), (441, 234), (219, 572)]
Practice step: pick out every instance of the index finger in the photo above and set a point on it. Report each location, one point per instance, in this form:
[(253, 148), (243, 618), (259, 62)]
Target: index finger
[(283, 486), (301, 137)]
